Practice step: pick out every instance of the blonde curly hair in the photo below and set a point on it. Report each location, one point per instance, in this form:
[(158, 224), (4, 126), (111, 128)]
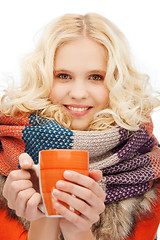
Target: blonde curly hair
[(130, 98)]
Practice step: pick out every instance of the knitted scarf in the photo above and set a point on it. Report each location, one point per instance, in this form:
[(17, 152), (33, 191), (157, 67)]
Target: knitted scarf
[(129, 160)]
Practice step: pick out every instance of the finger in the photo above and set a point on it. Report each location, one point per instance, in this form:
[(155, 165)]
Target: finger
[(91, 213), (18, 175), (96, 175), (79, 221), (83, 193), (25, 161), (15, 188), (22, 199), (14, 176), (84, 181), (32, 212)]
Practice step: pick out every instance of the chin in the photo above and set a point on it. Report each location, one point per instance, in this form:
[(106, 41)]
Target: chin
[(79, 127)]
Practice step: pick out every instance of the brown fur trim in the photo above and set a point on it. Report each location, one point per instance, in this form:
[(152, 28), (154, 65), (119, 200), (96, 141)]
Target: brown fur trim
[(119, 219)]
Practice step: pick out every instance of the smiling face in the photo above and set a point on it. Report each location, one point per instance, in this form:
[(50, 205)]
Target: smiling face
[(78, 85)]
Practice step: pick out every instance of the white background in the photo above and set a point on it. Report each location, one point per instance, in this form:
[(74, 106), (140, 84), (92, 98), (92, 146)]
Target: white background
[(139, 20)]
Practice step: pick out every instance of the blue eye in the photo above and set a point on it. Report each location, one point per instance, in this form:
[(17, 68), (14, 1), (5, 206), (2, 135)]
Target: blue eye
[(96, 77), (63, 76)]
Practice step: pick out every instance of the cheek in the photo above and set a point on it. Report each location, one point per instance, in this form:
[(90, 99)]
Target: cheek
[(57, 93), (102, 96)]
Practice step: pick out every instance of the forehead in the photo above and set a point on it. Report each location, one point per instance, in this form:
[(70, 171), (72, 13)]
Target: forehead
[(82, 52)]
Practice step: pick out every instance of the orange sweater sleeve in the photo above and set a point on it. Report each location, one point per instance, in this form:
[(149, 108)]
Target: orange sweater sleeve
[(11, 229)]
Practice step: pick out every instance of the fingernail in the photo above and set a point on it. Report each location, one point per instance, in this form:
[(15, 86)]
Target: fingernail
[(25, 162), (57, 205), (54, 193), (67, 174), (60, 184)]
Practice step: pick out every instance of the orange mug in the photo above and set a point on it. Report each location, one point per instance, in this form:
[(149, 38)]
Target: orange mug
[(52, 164)]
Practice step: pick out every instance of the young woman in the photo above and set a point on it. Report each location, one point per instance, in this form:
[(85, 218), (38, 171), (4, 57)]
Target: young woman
[(80, 90)]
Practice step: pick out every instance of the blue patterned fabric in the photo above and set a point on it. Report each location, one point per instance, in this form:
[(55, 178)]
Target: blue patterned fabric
[(46, 134)]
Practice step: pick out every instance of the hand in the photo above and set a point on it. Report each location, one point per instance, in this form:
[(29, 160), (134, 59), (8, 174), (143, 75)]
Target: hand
[(20, 192), (89, 201)]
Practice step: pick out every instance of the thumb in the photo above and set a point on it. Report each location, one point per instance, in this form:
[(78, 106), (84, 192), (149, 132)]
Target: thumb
[(96, 175), (25, 161)]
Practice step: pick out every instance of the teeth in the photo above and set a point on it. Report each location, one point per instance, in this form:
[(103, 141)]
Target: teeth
[(77, 109)]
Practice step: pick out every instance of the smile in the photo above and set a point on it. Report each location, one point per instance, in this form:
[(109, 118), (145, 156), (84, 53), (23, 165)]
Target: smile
[(77, 110)]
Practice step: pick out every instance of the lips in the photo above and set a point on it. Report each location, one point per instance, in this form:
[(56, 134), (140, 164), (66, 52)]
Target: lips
[(78, 110)]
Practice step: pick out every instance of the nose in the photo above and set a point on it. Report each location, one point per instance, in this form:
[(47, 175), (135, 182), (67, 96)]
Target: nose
[(78, 90)]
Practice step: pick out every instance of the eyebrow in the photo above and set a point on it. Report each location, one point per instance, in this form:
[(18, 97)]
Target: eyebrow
[(62, 71), (89, 72), (97, 71)]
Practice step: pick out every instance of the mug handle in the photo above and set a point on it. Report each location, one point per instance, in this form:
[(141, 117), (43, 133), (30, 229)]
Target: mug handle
[(36, 169)]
